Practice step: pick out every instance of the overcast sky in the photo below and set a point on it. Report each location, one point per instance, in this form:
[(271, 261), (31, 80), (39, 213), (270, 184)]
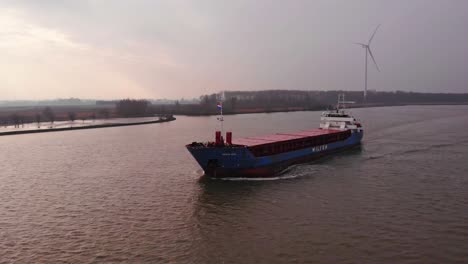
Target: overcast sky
[(173, 49)]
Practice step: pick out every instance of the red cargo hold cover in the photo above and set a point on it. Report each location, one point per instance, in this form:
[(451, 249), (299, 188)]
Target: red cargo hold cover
[(267, 139)]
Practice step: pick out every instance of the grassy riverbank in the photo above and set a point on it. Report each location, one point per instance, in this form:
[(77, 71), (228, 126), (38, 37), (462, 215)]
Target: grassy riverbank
[(105, 125)]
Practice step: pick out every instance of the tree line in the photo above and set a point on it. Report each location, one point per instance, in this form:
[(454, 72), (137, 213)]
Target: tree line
[(48, 115), (122, 108), (292, 100), (234, 102)]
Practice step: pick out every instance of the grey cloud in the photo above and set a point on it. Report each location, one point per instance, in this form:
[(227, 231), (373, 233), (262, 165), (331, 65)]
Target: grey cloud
[(267, 44)]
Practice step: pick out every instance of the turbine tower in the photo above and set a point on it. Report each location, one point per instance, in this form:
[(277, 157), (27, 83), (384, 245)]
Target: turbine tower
[(368, 52)]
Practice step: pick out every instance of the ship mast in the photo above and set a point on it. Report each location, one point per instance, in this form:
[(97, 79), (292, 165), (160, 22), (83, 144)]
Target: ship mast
[(342, 103), (220, 107)]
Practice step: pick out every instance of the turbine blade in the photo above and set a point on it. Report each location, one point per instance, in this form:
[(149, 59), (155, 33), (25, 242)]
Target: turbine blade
[(372, 56), (375, 31), (362, 44)]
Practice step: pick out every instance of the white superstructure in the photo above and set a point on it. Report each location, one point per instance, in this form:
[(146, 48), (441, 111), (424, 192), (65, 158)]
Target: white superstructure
[(339, 119)]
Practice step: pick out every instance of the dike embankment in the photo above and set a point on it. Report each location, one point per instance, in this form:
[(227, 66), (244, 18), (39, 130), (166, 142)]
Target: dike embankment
[(33, 131)]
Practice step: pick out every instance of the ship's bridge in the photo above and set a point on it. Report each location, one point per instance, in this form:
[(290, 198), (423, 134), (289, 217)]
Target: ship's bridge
[(340, 120)]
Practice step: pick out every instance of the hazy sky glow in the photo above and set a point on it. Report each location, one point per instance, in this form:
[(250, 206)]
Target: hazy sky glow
[(153, 49)]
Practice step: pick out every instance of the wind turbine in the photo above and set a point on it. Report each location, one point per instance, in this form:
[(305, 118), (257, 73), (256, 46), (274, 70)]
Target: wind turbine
[(368, 52)]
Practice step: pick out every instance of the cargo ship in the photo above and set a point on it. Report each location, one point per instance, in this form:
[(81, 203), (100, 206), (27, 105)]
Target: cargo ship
[(269, 155)]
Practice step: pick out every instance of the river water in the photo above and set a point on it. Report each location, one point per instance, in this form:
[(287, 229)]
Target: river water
[(134, 194)]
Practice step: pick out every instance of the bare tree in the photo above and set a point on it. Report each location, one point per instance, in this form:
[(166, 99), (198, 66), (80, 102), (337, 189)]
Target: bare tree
[(49, 114), (233, 103), (15, 119), (132, 108), (72, 116), (104, 113), (38, 119), (177, 106)]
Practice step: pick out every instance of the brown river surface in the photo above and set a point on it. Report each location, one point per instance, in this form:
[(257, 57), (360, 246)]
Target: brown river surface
[(135, 195)]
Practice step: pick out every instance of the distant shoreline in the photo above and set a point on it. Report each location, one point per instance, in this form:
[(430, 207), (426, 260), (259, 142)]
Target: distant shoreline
[(19, 132), (286, 110)]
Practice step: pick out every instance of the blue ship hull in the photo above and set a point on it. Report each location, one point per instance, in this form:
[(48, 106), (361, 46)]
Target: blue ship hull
[(239, 161)]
